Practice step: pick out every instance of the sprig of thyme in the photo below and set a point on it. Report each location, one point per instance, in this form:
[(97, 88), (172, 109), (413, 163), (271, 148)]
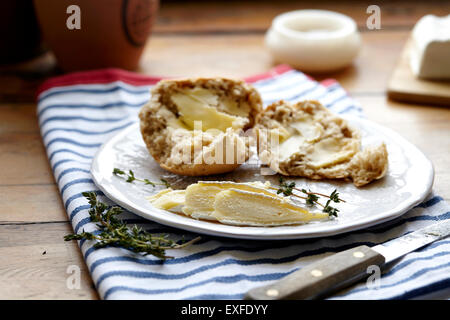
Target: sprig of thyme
[(285, 188), (311, 198), (114, 232), (130, 177)]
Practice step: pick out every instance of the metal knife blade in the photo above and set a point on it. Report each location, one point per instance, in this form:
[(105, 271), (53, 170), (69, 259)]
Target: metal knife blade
[(398, 247), (341, 269)]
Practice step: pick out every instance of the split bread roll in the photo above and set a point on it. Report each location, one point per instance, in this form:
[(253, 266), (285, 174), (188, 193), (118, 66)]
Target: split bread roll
[(305, 139), (195, 127)]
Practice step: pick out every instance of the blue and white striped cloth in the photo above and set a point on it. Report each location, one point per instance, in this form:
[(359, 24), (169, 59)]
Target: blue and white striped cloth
[(78, 112)]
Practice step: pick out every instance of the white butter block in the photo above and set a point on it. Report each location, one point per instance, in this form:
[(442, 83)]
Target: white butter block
[(430, 54)]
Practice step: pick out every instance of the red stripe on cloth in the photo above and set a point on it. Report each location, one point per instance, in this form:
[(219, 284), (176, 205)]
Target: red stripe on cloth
[(109, 75), (98, 77), (328, 82)]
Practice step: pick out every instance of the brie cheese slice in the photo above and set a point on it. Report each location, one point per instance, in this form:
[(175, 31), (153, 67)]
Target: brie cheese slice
[(167, 199), (250, 204), (200, 197), (241, 207)]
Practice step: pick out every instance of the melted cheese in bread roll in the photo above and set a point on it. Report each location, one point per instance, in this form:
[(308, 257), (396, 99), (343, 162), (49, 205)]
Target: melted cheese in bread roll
[(306, 139), (195, 126)]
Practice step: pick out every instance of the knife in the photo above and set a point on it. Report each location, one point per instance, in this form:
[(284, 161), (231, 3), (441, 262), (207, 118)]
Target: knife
[(339, 270)]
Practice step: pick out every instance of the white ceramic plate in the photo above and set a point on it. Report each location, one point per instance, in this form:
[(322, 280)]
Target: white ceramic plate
[(407, 183)]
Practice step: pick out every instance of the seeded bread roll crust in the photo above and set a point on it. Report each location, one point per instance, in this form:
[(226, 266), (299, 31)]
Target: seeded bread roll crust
[(360, 166), (176, 147)]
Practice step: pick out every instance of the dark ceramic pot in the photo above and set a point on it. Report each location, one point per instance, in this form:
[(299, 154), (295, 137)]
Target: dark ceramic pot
[(19, 31)]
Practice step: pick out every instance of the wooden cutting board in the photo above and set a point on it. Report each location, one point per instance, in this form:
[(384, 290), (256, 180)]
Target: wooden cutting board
[(404, 86)]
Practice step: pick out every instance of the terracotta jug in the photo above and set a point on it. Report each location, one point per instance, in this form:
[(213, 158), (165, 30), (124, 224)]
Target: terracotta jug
[(88, 34)]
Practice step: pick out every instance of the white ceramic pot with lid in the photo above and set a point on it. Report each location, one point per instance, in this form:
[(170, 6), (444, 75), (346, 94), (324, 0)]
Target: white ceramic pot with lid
[(314, 40)]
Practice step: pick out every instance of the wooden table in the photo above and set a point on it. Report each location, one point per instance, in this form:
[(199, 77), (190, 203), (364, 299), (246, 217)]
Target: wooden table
[(189, 39)]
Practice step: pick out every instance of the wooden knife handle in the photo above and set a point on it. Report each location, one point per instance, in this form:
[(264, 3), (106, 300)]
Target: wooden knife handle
[(320, 277)]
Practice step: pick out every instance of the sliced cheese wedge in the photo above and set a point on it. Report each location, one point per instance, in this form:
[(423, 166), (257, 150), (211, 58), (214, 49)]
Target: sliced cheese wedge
[(200, 197), (251, 204), (167, 199), (239, 207)]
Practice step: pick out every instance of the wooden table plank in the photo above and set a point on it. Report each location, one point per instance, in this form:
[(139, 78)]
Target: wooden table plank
[(23, 158), (30, 203), (28, 273), (256, 16), (18, 118)]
